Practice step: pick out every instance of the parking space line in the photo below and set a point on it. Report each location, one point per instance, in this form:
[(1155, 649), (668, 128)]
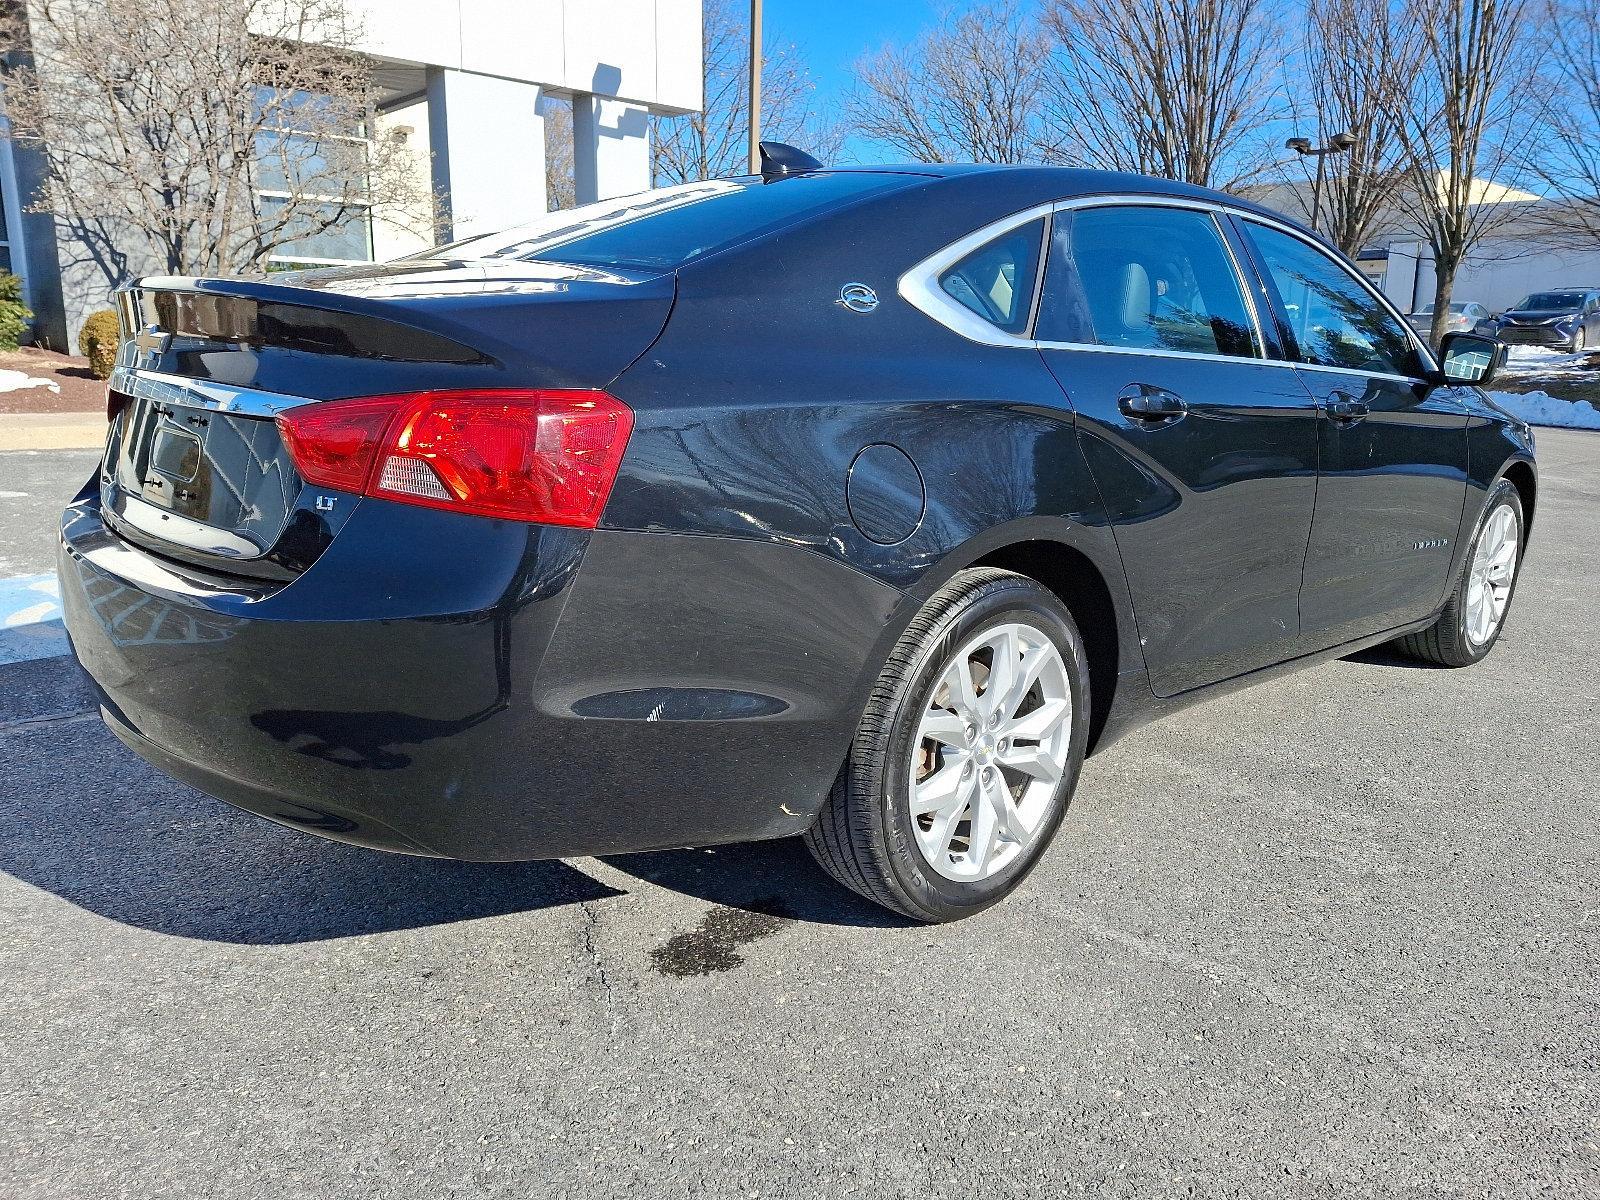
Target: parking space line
[(30, 619)]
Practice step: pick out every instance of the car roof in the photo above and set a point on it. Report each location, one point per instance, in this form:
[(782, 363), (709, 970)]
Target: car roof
[(1068, 183)]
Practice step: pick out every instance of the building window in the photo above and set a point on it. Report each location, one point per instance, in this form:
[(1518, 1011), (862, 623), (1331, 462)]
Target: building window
[(311, 181)]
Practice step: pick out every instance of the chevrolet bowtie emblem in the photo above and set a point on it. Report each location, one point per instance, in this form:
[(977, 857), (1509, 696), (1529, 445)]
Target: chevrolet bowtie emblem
[(151, 340)]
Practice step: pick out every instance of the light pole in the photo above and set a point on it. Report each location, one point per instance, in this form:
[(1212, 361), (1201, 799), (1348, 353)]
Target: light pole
[(755, 87), (1337, 144)]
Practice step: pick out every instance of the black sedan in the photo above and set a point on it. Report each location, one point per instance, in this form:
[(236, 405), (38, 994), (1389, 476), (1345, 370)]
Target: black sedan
[(853, 504)]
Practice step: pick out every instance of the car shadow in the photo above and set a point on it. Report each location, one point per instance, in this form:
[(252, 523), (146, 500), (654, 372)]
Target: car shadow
[(776, 878), (151, 853), (1382, 656), (124, 842)]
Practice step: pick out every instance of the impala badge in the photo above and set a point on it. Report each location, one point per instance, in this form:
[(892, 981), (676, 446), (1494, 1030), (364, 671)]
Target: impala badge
[(858, 297), (324, 504)]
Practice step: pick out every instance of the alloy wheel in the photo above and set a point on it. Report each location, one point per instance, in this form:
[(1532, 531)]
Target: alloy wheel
[(991, 749), (1493, 571)]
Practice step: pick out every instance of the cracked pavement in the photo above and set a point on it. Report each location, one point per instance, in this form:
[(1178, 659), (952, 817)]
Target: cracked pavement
[(1331, 936)]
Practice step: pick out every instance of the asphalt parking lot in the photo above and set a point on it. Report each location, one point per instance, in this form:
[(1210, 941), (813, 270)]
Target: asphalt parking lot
[(1332, 936)]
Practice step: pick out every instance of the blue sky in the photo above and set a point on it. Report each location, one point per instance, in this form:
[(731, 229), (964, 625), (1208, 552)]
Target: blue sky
[(833, 34)]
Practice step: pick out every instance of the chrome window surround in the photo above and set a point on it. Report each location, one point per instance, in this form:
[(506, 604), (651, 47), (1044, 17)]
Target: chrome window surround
[(203, 393), (919, 286)]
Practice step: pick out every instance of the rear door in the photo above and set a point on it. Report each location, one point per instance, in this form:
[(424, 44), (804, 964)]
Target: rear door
[(1204, 451), (1392, 446)]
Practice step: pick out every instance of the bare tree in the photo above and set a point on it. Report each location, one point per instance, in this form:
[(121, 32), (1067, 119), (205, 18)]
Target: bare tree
[(972, 88), (1176, 88), (560, 183), (1358, 56), (1462, 129), (203, 136), (714, 142), (1566, 154)]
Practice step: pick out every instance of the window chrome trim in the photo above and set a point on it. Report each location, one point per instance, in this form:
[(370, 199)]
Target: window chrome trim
[(203, 393), (919, 286)]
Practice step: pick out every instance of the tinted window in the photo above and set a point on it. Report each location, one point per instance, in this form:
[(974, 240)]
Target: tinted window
[(996, 280), (1552, 301), (1147, 278), (664, 229), (1335, 321)]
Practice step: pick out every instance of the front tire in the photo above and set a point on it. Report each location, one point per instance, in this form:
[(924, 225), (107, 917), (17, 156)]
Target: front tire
[(1475, 614), (1578, 341), (967, 754)]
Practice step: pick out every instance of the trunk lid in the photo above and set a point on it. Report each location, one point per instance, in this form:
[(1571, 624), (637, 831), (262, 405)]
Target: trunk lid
[(195, 468)]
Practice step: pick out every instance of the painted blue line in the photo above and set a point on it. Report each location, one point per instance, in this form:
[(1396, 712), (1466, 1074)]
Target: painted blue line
[(30, 619)]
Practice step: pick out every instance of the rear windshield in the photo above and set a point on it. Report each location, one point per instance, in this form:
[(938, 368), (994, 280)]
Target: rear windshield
[(664, 229)]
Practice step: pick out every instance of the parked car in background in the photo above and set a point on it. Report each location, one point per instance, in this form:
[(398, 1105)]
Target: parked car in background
[(1464, 317), (856, 504), (1564, 319)]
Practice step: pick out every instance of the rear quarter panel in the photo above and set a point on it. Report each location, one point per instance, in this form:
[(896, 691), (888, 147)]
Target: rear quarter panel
[(762, 390)]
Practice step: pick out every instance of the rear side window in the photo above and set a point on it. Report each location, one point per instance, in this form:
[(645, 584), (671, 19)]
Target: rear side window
[(996, 280), (663, 229), (1144, 278), (1335, 321)]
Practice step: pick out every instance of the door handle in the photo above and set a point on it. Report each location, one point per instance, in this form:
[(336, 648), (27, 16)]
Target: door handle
[(1145, 402), (1345, 408)]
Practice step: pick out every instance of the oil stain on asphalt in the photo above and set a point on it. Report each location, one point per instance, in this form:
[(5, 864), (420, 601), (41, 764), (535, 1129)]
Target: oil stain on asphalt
[(714, 945)]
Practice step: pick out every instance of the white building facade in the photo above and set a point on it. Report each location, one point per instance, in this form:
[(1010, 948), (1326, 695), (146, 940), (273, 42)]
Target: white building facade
[(468, 84)]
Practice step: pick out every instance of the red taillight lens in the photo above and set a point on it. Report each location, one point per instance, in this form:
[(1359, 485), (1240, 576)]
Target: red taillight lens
[(333, 444), (115, 402), (545, 456)]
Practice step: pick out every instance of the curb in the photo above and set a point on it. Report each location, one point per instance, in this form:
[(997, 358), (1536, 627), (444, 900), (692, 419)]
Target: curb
[(52, 431)]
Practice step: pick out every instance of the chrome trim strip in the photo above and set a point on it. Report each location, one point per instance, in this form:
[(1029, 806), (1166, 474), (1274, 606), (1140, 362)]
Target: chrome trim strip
[(1095, 348), (203, 393), (1228, 358), (1406, 379), (919, 286)]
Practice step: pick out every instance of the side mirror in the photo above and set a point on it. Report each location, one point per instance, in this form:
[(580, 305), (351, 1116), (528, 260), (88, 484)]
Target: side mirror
[(1470, 358)]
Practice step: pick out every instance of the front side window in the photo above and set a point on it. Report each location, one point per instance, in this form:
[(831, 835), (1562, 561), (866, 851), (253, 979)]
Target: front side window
[(1144, 278), (996, 280), (1335, 321)]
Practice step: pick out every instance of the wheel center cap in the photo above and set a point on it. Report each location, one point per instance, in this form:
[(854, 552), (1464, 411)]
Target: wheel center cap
[(985, 748)]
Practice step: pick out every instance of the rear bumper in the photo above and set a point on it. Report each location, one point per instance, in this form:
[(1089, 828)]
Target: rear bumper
[(476, 689)]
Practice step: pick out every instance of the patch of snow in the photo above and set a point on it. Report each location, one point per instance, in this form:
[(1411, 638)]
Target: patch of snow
[(1541, 408), (1546, 363), (16, 381)]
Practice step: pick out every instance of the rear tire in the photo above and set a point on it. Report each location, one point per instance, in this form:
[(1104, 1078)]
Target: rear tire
[(962, 767), (1466, 630)]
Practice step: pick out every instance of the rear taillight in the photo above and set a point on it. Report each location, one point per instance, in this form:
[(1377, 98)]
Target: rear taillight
[(115, 402), (545, 456)]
